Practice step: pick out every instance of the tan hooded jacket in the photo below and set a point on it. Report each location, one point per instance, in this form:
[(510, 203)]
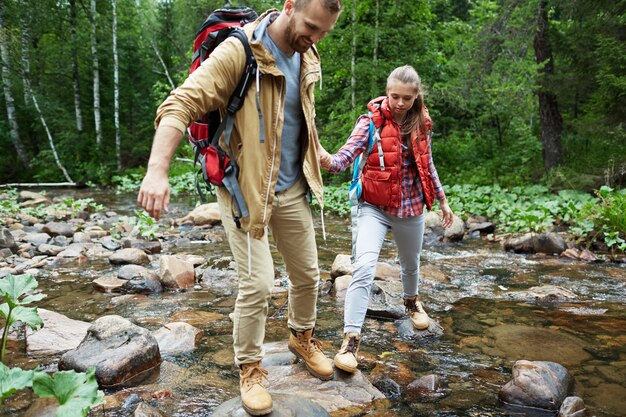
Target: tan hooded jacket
[(210, 86)]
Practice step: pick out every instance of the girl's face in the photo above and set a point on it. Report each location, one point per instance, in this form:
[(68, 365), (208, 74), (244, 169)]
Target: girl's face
[(401, 98)]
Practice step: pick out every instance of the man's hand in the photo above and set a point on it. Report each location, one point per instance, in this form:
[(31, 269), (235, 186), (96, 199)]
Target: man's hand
[(154, 194), (324, 156), (447, 215)]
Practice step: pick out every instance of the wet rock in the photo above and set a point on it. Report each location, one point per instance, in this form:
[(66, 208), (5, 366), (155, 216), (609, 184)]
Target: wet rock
[(196, 318), (390, 388), (534, 343), (75, 250), (129, 256), (7, 241), (203, 214), (96, 232), (426, 387), (550, 243), (59, 334), (43, 407), (110, 243), (30, 199), (36, 238), (537, 384), (176, 273), (108, 284), (177, 337), (386, 300), (27, 219), (480, 225), (5, 253), (284, 405), (545, 294), (120, 350), (148, 246), (60, 241), (455, 232), (572, 407), (59, 228), (340, 286), (51, 250), (406, 331), (139, 280), (81, 237), (342, 265), (146, 410), (387, 272)]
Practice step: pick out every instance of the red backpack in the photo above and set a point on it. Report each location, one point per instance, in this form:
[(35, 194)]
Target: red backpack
[(217, 165)]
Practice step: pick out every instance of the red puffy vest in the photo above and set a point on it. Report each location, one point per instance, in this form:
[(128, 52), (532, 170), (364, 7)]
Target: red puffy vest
[(383, 187)]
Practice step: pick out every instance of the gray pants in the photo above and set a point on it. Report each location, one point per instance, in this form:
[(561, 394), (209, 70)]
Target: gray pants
[(373, 224)]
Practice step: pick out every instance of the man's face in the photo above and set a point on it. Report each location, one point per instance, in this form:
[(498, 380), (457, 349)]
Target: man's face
[(308, 25)]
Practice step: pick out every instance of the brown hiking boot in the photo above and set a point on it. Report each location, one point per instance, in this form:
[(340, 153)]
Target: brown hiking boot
[(416, 313), (345, 359), (254, 397), (304, 346)]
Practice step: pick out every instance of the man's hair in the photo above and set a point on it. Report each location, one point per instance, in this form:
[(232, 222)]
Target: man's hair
[(333, 6)]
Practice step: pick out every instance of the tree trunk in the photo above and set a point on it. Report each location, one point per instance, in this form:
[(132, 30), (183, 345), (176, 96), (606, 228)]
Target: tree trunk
[(96, 74), (116, 90), (373, 83), (8, 94), (353, 58), (25, 47), (75, 73), (160, 58), (551, 122)]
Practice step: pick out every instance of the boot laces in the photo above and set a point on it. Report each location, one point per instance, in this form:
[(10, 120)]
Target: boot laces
[(412, 306), (314, 345), (253, 375), (351, 346)]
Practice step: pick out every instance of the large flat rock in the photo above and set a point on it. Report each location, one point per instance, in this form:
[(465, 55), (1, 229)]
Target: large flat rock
[(59, 334)]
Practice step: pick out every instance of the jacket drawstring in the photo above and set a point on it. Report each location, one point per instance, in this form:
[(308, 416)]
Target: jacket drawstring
[(323, 227), (258, 107)]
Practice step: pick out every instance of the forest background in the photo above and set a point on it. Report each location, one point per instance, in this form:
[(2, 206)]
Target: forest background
[(521, 92)]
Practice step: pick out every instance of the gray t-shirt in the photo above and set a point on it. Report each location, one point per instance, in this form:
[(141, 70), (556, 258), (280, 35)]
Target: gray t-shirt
[(290, 146)]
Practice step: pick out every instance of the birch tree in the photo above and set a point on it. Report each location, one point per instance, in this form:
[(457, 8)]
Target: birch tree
[(353, 59), (25, 17), (8, 93), (96, 74), (75, 72), (116, 89)]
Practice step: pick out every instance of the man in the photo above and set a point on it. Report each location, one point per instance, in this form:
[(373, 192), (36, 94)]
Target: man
[(274, 143)]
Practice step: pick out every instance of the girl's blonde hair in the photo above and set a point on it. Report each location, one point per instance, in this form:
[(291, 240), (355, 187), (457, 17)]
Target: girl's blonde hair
[(415, 116)]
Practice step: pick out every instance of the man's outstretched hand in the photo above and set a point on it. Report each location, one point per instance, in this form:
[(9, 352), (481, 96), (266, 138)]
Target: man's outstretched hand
[(154, 193)]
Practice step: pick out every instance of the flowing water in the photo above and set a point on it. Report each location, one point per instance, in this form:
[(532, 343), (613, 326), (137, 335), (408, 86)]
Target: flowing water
[(465, 289)]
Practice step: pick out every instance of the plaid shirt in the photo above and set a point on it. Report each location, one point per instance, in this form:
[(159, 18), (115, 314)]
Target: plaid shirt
[(412, 200)]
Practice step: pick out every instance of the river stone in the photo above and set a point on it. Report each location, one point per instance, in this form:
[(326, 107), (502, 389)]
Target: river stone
[(342, 265), (340, 287), (120, 350), (139, 280), (544, 294), (51, 250), (146, 410), (59, 334), (284, 405), (59, 228), (129, 256), (572, 407), (550, 243), (455, 232), (108, 284), (30, 198), (537, 384), (36, 238), (177, 337), (7, 240), (110, 243), (406, 331), (533, 343), (81, 237), (386, 300), (42, 407), (203, 214), (149, 246), (176, 273)]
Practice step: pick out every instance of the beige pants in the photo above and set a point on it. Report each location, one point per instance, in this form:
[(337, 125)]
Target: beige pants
[(291, 225)]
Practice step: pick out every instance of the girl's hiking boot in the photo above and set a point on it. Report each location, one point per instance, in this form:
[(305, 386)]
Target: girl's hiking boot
[(345, 359), (416, 312), (304, 346), (254, 397)]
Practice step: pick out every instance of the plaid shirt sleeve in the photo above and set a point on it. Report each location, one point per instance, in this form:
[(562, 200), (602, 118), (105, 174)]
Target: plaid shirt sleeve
[(354, 146), (439, 194)]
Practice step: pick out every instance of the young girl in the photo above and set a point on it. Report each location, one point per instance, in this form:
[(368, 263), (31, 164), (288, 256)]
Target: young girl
[(399, 178)]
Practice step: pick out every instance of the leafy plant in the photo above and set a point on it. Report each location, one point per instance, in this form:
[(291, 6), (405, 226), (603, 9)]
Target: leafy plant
[(76, 392), (145, 224), (15, 289)]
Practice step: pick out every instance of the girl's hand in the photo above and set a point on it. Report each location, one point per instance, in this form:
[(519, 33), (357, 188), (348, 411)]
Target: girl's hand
[(446, 214)]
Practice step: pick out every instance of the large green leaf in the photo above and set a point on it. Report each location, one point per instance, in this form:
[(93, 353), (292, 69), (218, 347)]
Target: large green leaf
[(13, 379), (76, 392), (12, 287)]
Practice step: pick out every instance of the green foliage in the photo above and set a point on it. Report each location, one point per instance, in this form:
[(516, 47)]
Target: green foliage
[(13, 379), (67, 207), (146, 225), (77, 393), (605, 220), (16, 292)]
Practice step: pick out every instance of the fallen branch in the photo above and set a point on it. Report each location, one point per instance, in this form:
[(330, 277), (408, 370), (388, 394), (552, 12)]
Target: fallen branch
[(39, 184)]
